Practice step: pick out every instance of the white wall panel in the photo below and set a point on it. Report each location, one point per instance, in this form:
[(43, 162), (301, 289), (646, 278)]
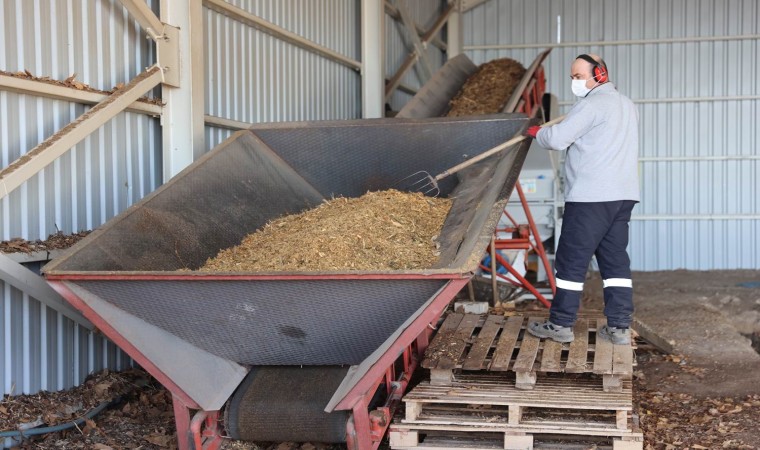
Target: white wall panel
[(699, 163)]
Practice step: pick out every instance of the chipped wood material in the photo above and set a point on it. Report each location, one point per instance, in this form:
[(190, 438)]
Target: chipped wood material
[(383, 230)]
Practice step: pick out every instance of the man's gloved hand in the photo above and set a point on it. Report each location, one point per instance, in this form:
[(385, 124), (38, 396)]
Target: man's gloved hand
[(532, 131)]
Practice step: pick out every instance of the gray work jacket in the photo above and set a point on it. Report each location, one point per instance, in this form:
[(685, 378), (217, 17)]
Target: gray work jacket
[(600, 134)]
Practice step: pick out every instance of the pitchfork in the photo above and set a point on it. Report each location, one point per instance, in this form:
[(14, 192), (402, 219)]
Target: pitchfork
[(422, 181)]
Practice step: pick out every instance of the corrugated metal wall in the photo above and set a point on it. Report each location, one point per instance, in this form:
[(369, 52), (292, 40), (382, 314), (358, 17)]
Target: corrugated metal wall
[(108, 171), (699, 164), (113, 167), (254, 77), (43, 350), (425, 13), (250, 77)]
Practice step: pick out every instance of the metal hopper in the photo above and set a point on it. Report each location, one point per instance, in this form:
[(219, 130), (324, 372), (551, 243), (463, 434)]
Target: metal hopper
[(200, 333)]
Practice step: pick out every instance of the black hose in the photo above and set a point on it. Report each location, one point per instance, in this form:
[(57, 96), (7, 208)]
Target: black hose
[(64, 426)]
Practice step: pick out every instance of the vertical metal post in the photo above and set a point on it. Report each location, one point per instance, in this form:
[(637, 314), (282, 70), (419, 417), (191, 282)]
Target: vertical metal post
[(494, 282), (454, 32), (373, 57), (182, 419), (182, 120), (362, 426)]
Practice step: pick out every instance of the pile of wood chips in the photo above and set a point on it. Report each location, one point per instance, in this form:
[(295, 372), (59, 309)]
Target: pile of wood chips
[(488, 90), (387, 230)]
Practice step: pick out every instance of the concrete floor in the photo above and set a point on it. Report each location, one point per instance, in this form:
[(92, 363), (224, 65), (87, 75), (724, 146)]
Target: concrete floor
[(703, 317)]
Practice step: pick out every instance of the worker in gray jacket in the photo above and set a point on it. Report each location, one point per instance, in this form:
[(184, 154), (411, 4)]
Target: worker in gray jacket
[(600, 134)]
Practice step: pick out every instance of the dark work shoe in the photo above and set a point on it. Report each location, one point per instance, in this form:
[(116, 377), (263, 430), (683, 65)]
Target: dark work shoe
[(551, 331), (618, 336)]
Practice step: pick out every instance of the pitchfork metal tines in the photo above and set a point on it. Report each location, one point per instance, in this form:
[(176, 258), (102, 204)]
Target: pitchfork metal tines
[(422, 181)]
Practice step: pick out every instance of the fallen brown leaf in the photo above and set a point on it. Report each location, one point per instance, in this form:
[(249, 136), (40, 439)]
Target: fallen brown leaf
[(102, 447), (161, 440)]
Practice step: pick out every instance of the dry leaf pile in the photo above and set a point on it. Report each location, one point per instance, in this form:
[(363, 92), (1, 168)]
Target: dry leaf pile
[(673, 420), (57, 241), (487, 90), (388, 230), (142, 419)]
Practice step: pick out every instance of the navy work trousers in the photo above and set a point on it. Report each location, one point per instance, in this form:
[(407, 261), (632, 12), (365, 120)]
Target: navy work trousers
[(588, 229)]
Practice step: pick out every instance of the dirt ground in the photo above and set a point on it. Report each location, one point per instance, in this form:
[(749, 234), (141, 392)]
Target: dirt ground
[(681, 403), (706, 395)]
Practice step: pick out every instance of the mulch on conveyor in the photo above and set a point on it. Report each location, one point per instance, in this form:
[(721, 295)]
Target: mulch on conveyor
[(387, 230), (488, 90)]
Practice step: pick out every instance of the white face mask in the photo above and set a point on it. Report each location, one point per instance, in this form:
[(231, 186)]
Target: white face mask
[(579, 88)]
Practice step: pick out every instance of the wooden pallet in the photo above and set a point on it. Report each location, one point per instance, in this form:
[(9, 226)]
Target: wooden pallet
[(494, 343), (484, 404), (473, 441)]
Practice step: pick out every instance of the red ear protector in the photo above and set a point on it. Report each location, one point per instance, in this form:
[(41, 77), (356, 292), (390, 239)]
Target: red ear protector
[(599, 70)]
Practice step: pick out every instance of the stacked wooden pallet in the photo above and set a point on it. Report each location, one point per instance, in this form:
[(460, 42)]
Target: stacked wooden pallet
[(470, 342), (493, 385)]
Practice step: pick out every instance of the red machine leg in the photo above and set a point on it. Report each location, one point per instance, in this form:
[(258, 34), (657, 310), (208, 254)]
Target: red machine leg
[(182, 420), (523, 243), (201, 433), (539, 245), (523, 282), (362, 436), (366, 428)]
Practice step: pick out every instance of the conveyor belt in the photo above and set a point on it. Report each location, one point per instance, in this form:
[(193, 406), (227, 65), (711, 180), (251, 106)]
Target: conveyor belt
[(286, 403)]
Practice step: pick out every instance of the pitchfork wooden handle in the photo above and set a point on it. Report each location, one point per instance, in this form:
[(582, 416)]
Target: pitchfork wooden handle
[(490, 152)]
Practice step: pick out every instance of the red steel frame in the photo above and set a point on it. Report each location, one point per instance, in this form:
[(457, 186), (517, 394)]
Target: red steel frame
[(203, 430), (365, 429), (529, 104), (523, 244)]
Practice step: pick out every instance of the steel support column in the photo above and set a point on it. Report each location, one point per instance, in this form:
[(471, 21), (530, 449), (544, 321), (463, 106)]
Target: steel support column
[(182, 120), (373, 56), (454, 32)]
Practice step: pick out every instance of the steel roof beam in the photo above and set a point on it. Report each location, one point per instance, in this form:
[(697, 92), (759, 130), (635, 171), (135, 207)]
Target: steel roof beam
[(241, 15), (67, 137), (394, 14), (70, 94), (35, 286)]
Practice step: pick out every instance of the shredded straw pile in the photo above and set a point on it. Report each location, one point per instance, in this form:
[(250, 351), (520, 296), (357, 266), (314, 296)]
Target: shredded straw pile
[(388, 230), (488, 90)]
